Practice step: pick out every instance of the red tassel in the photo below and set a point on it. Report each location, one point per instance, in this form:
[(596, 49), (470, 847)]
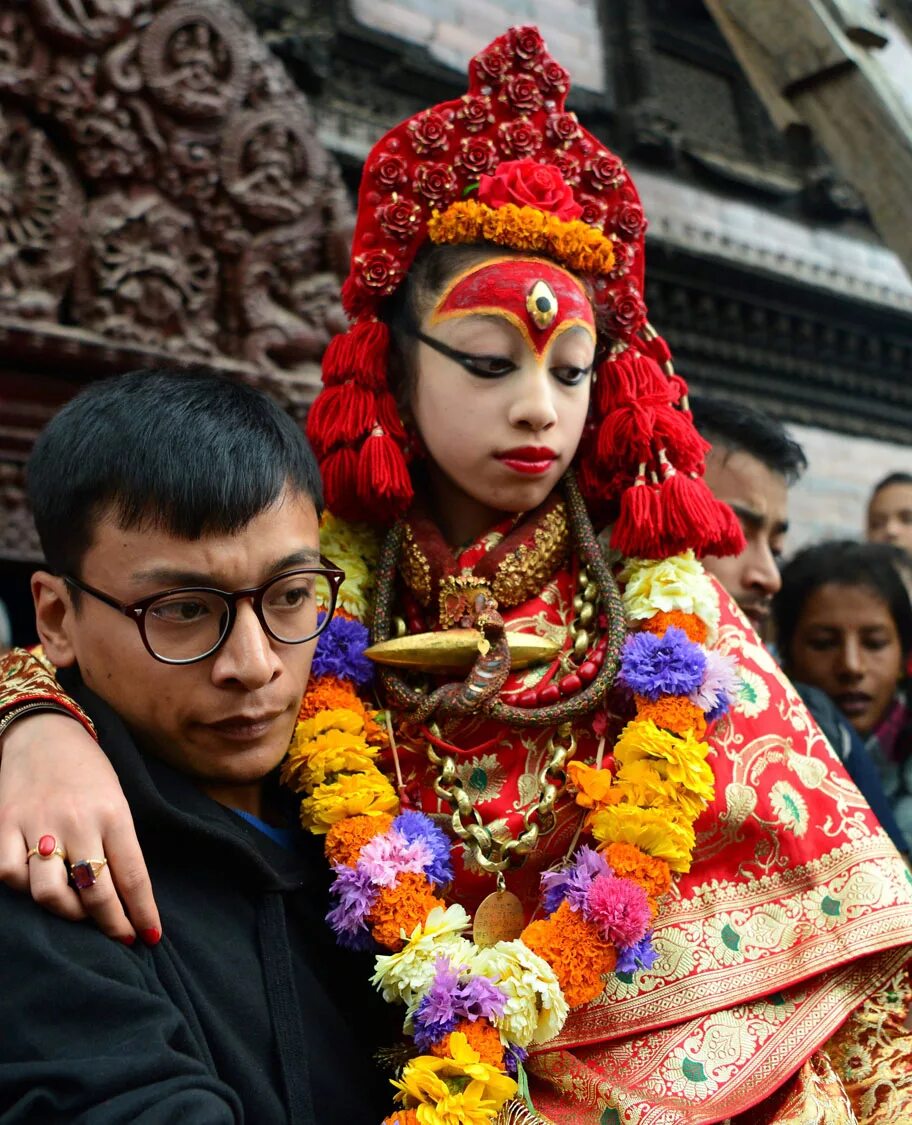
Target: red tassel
[(361, 353), (730, 540), (638, 531), (341, 415), (384, 485), (656, 349), (387, 417), (340, 484), (685, 447), (626, 432)]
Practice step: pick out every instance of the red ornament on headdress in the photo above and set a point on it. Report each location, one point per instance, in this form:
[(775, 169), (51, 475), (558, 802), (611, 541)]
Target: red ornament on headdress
[(507, 164)]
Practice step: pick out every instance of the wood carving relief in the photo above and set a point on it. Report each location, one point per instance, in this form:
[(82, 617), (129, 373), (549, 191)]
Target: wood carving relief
[(161, 183), (163, 197)]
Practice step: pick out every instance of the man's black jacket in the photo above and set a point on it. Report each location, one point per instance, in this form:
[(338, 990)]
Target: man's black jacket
[(244, 1012)]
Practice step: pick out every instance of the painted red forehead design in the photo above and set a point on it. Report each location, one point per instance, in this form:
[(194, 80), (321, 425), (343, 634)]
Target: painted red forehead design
[(537, 297)]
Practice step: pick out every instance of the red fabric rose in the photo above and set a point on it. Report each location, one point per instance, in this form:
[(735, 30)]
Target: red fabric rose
[(399, 219), (569, 167), (624, 254), (529, 184), (624, 313), (389, 170), (436, 182), (563, 128), (554, 78), (475, 112), (379, 270), (628, 220), (429, 131), (527, 44), (605, 170), (523, 94), (520, 138), (595, 210), (491, 66), (477, 155)]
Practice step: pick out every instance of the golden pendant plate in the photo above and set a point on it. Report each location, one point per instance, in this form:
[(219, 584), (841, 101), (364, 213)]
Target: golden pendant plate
[(499, 917), (456, 650)]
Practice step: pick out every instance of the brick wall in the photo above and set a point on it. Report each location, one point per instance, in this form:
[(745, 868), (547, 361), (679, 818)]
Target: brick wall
[(455, 31), (830, 501)]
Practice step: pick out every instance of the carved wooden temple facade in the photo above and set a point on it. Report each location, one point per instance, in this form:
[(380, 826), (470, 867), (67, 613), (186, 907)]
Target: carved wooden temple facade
[(176, 180)]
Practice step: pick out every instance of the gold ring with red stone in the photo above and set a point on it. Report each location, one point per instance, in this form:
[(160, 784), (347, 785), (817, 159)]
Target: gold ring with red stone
[(46, 848), (85, 872)]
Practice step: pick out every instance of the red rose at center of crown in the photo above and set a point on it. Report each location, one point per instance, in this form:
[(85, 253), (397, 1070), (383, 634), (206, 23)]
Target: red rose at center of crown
[(529, 184)]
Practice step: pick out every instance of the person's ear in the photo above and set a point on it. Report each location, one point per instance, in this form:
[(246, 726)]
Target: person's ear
[(54, 618)]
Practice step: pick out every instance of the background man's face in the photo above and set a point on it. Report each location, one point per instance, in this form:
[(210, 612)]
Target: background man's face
[(759, 498), (227, 720), (890, 516)]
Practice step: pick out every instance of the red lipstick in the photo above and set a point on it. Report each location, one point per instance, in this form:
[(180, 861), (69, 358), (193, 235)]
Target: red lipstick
[(533, 460)]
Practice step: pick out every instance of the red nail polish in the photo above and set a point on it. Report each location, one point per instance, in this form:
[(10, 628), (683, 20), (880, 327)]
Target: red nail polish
[(127, 939), (151, 936)]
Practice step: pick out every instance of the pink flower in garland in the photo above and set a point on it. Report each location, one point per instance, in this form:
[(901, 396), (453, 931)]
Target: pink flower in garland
[(384, 857), (619, 908), (719, 686)]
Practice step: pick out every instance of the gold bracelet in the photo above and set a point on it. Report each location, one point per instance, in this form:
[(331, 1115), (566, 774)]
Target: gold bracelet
[(10, 716)]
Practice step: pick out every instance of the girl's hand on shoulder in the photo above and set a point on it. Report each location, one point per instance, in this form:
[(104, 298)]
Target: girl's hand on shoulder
[(56, 782)]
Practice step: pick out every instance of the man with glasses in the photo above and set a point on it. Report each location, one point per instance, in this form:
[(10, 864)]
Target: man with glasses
[(181, 603)]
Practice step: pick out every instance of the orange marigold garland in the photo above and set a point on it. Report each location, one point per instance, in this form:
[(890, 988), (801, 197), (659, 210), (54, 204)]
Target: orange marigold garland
[(475, 1012)]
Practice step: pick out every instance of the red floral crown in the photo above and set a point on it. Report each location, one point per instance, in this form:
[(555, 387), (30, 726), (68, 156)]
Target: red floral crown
[(506, 164)]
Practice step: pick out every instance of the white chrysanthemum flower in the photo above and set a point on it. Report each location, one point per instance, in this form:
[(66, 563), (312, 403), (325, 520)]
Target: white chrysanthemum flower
[(665, 585), (355, 548), (407, 975), (536, 1009)]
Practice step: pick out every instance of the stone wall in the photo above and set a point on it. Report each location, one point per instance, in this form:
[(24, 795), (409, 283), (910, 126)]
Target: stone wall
[(831, 500), (453, 32)]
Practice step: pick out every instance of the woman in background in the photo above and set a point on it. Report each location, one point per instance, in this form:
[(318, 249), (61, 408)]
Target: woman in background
[(844, 623)]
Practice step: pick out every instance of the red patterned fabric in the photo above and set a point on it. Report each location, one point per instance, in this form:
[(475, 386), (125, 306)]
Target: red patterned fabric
[(797, 907)]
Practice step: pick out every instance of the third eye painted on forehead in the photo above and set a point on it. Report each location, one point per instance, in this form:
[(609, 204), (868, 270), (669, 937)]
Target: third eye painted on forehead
[(539, 299)]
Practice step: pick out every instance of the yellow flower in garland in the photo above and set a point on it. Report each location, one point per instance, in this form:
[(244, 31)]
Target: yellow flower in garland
[(665, 585), (356, 549), (657, 832), (406, 975), (331, 742), (640, 783), (678, 758), (351, 794), (593, 786), (456, 1090), (577, 244)]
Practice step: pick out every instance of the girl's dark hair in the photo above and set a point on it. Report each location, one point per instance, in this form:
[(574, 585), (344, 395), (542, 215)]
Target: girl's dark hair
[(843, 562)]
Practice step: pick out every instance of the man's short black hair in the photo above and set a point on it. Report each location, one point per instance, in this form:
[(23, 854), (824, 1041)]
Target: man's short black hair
[(189, 452), (891, 478), (740, 428), (843, 562)]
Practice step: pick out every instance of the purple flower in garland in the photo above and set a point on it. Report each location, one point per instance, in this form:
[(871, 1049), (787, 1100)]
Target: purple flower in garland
[(719, 686), (436, 1015), (416, 826), (478, 999), (355, 894), (340, 652), (573, 882), (514, 1057), (668, 665), (641, 955), (450, 999)]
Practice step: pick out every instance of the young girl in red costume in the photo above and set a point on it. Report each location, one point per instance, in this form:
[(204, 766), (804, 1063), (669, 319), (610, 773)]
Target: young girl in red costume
[(608, 866)]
